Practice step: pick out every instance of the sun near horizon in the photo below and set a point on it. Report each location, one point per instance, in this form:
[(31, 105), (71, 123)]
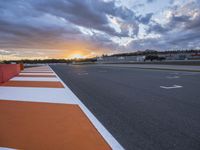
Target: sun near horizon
[(76, 56)]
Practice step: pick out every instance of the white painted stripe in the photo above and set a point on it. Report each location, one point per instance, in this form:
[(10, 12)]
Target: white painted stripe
[(6, 148), (51, 95), (36, 74), (37, 68), (171, 87), (34, 79), (33, 71), (114, 144), (36, 71)]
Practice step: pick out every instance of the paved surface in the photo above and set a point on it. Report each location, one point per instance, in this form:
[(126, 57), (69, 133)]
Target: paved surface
[(38, 111), (157, 66), (143, 109)]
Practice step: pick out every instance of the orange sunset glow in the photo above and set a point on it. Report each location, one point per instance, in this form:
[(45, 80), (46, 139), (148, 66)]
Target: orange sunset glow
[(67, 29), (100, 74)]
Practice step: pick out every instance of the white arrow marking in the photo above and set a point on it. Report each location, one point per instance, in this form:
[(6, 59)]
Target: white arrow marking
[(171, 87)]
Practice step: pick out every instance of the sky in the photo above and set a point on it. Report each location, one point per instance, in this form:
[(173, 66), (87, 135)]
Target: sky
[(41, 29)]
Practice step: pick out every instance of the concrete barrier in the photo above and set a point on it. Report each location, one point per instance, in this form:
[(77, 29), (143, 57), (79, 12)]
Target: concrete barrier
[(7, 71)]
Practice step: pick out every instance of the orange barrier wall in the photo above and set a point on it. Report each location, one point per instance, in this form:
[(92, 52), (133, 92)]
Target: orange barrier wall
[(22, 66), (7, 71)]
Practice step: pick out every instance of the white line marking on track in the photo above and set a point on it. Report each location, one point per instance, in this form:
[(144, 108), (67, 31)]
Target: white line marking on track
[(171, 87), (174, 73), (54, 79), (114, 144), (36, 74), (6, 148), (172, 77), (82, 74), (50, 95), (35, 71)]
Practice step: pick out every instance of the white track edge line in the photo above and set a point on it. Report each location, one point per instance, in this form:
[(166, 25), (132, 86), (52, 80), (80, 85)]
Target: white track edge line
[(44, 79), (114, 144), (6, 148)]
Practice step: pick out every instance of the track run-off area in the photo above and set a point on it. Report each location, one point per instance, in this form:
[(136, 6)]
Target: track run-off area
[(38, 111), (144, 109)]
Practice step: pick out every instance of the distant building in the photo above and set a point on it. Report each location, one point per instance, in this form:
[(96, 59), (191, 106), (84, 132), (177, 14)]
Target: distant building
[(150, 55), (180, 56), (119, 59)]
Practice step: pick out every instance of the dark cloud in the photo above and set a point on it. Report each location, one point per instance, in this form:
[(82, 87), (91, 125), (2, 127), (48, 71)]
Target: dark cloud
[(43, 21), (145, 19), (150, 1), (89, 14), (57, 24), (181, 30), (155, 27)]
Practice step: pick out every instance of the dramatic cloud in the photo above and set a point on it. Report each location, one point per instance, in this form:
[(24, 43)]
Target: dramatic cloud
[(150, 1), (182, 26), (49, 28)]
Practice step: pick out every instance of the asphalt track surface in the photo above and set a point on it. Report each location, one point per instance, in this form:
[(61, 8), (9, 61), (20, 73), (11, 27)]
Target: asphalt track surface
[(131, 104)]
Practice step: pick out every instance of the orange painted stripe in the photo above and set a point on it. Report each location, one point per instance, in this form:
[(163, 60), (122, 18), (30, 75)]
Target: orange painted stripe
[(33, 84), (37, 72), (36, 76), (29, 125), (37, 69)]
